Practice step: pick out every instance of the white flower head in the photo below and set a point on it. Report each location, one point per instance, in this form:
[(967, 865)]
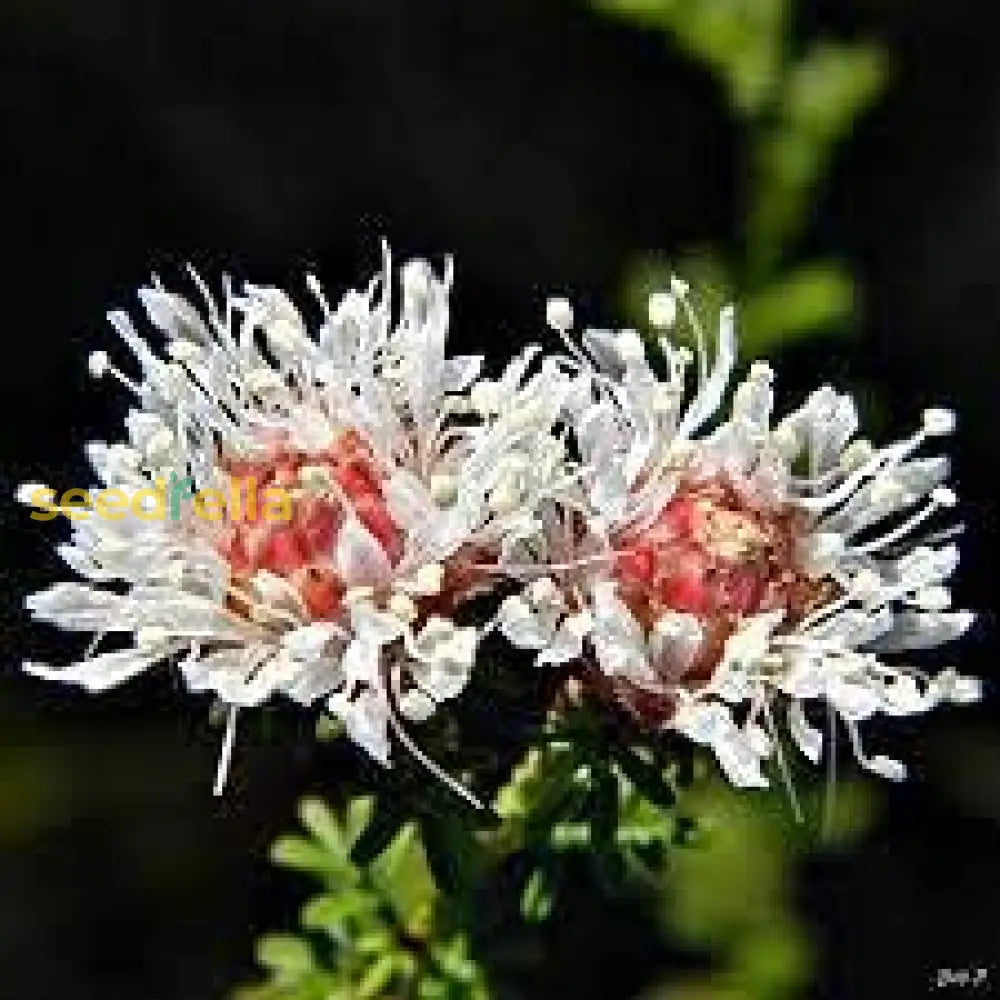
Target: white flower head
[(740, 562), (390, 505), (304, 508)]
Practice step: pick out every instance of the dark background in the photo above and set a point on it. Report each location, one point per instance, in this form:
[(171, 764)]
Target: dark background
[(542, 146)]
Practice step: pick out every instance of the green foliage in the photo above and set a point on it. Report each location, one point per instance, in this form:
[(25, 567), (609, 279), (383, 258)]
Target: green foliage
[(732, 893), (395, 909), (587, 791), (390, 927), (741, 40), (371, 930), (794, 106)]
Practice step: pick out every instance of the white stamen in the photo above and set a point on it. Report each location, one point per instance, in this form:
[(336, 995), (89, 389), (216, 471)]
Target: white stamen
[(226, 756), (559, 314), (662, 310), (939, 421)]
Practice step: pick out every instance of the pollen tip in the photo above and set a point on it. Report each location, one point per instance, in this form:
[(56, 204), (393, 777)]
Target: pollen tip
[(26, 491), (559, 314), (98, 363), (943, 496), (662, 310), (679, 286), (939, 421)]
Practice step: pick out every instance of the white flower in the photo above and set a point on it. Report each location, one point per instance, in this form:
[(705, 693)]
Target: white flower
[(705, 561), (398, 501), (734, 562)]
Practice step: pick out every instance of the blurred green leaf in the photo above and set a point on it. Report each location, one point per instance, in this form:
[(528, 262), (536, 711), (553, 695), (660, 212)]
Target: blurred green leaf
[(377, 979), (403, 878), (830, 86), (317, 817), (286, 955), (301, 854), (537, 897), (648, 779), (773, 962), (741, 40), (822, 96), (811, 298), (331, 913)]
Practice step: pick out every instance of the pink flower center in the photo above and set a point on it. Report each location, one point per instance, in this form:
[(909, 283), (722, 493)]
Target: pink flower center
[(709, 554), (716, 554), (300, 548)]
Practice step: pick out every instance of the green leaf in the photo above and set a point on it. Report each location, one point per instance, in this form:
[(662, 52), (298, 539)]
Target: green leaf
[(330, 913), (452, 958), (382, 828), (432, 988), (647, 778), (285, 955), (813, 297), (374, 942), (537, 897), (570, 835), (293, 851), (358, 816), (823, 95), (830, 86), (773, 961), (377, 978), (320, 821), (403, 879), (329, 728), (740, 40)]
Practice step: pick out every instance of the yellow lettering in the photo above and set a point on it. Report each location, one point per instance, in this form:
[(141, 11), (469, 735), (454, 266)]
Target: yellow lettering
[(159, 509), (43, 498), (209, 504), (277, 504), (111, 505), (77, 511)]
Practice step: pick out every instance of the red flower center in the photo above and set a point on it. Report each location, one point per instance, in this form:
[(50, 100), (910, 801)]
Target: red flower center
[(708, 553), (301, 546), (713, 553)]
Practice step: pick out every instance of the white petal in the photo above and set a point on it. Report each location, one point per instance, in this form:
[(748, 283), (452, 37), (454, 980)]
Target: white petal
[(904, 697), (885, 767), (739, 762), (567, 643), (308, 642), (806, 737), (359, 559), (521, 626), (950, 686), (460, 372), (923, 629), (173, 314), (366, 719), (360, 663), (409, 502), (707, 401), (854, 700), (99, 673)]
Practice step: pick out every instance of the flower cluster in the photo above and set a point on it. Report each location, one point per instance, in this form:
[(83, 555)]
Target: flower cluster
[(700, 574)]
